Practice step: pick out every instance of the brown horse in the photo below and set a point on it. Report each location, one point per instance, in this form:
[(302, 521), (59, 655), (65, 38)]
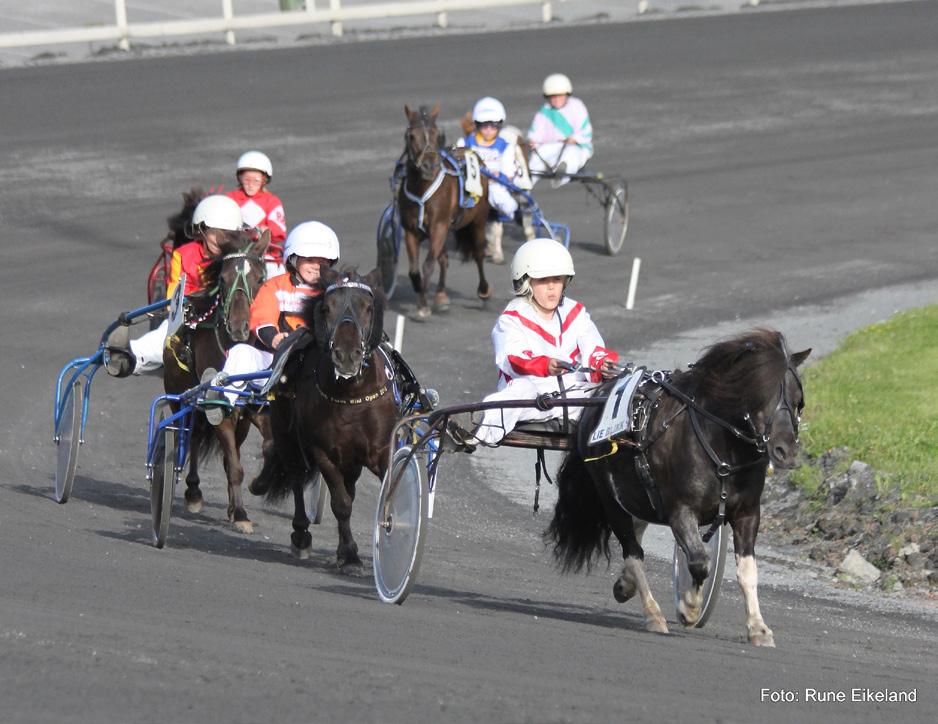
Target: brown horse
[(219, 319), (430, 205), (335, 413)]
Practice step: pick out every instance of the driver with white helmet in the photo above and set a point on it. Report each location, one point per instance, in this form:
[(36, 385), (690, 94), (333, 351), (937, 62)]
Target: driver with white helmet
[(561, 134), (498, 155), (536, 336), (261, 208), (276, 310), (214, 220)]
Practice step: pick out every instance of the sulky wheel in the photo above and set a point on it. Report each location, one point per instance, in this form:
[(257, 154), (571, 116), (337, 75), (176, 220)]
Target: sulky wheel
[(716, 548), (68, 437), (617, 216), (387, 250), (315, 495), (164, 478), (400, 526)]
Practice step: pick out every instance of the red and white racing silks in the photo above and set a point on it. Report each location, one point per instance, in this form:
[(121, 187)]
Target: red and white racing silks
[(524, 343), (264, 210)]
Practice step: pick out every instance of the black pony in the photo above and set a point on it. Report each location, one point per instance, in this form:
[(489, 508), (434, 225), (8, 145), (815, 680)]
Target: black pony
[(709, 436), (335, 412)]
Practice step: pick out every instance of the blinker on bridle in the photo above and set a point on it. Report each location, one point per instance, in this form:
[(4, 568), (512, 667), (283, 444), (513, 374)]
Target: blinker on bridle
[(346, 316)]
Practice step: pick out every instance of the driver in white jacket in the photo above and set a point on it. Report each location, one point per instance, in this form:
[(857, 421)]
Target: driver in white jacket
[(538, 334)]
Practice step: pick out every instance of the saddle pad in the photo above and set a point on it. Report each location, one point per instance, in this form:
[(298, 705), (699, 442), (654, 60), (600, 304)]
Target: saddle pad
[(473, 175), (617, 412)]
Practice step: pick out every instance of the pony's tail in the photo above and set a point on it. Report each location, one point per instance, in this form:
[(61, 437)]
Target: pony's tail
[(272, 481), (206, 440), (579, 531), (465, 242)]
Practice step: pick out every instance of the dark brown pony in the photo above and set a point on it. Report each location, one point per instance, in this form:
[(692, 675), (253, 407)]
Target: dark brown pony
[(429, 206), (220, 318), (713, 430), (336, 414)]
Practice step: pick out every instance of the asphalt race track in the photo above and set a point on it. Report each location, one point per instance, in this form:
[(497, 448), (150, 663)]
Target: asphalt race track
[(775, 160)]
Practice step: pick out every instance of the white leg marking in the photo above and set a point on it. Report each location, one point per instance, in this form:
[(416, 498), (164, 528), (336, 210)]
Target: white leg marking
[(748, 577)]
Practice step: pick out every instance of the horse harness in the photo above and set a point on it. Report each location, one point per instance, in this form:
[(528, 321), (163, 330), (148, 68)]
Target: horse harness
[(642, 442), (449, 166)]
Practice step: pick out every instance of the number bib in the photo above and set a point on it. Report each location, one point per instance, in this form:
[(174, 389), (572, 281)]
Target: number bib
[(177, 311), (617, 412)]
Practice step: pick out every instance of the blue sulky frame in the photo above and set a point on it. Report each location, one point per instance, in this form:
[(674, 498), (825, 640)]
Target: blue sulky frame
[(169, 435), (70, 406)]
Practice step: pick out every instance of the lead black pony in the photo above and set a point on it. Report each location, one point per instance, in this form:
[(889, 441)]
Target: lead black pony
[(711, 430), (335, 412)]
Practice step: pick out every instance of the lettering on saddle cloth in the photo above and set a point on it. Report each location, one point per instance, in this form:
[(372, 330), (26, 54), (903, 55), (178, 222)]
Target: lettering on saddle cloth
[(473, 176), (617, 412)]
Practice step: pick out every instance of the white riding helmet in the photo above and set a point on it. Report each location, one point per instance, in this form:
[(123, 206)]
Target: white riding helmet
[(311, 239), (538, 259), (218, 212), (557, 84), (255, 161), (489, 109)]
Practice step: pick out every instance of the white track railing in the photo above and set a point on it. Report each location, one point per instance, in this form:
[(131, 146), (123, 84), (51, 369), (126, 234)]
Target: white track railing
[(123, 31)]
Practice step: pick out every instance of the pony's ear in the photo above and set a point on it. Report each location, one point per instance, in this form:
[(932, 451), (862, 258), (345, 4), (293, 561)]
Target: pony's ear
[(407, 112), (328, 275), (373, 278), (798, 357), (435, 112), (466, 123), (263, 241)]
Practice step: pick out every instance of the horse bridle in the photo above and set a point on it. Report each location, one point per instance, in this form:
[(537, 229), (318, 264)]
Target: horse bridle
[(427, 148), (346, 316), (240, 285)]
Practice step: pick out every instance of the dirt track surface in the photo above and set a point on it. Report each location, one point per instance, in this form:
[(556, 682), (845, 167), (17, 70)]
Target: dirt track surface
[(775, 163)]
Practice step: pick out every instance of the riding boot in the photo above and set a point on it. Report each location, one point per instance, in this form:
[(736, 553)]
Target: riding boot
[(218, 407), (493, 238), (119, 359)]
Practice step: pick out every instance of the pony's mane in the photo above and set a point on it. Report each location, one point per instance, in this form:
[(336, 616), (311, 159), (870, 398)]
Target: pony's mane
[(740, 374), (311, 307), (180, 221)]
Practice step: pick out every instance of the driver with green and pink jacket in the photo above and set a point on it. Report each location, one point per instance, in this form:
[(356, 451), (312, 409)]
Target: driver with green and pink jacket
[(561, 134)]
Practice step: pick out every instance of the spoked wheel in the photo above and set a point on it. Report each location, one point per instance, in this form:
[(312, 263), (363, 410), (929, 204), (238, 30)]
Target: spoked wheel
[(716, 548), (315, 495), (617, 216), (165, 477), (387, 251), (69, 435), (400, 526)]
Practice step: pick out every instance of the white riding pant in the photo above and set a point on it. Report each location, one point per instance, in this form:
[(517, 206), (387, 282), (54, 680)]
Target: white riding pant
[(148, 349), (546, 157), (499, 422), (242, 360), (500, 197)]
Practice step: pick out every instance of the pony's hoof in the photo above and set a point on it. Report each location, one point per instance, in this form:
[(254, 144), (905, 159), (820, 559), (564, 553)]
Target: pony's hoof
[(301, 554), (623, 591), (485, 293), (762, 637), (441, 303), (423, 314), (352, 569), (194, 506), (656, 625), (244, 526)]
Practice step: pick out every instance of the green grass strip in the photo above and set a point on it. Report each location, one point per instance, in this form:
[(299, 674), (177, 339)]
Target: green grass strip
[(877, 394)]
